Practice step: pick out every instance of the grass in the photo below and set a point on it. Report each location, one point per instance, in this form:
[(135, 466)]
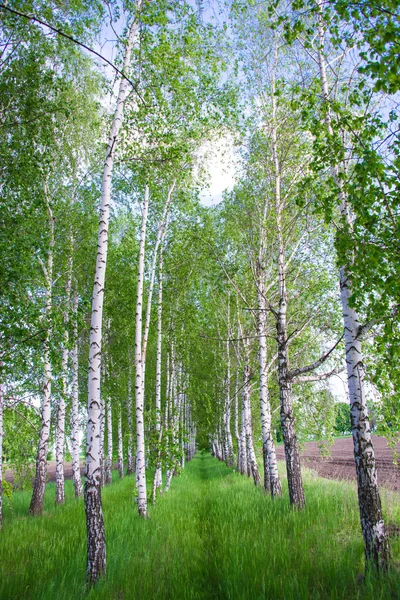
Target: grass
[(212, 536)]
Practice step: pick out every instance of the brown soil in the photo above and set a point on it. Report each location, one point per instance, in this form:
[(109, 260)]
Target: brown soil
[(51, 471), (340, 463)]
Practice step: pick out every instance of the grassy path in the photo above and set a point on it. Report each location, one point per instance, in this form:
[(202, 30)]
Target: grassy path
[(212, 536)]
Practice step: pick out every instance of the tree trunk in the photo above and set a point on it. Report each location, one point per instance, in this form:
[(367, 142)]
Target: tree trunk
[(139, 388), (158, 472), (109, 462), (243, 462), (372, 523), (272, 482), (182, 427), (236, 418), (130, 455), (228, 445), (76, 471), (36, 505), (293, 469), (120, 446), (96, 546), (101, 450), (171, 422), (252, 468), (60, 431)]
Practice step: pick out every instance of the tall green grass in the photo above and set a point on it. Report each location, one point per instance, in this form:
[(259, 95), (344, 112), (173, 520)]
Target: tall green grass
[(212, 536)]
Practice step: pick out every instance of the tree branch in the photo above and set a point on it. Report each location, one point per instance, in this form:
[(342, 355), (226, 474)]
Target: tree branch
[(316, 364), (364, 329), (322, 377), (70, 38)]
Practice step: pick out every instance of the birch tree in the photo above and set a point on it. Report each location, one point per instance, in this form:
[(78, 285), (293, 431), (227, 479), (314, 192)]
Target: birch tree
[(157, 485), (372, 523), (37, 499), (76, 472), (96, 549)]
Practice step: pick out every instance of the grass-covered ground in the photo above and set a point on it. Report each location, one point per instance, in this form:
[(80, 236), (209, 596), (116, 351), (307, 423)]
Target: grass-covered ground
[(212, 536)]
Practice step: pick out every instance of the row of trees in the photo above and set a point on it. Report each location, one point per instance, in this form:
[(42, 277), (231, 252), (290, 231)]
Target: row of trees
[(231, 303)]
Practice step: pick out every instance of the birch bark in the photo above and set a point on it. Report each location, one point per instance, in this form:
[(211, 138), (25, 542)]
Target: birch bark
[(252, 468), (109, 461), (96, 545), (182, 427), (167, 420), (139, 387), (120, 446), (158, 471), (36, 505), (236, 418), (60, 431), (243, 430), (272, 481), (141, 345), (76, 471), (130, 455), (171, 409), (102, 419), (372, 523), (228, 445)]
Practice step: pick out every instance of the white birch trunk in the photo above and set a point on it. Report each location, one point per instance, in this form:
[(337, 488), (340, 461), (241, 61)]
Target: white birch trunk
[(272, 481), (96, 545), (171, 409), (236, 418), (120, 445), (36, 505), (243, 462), (76, 471), (60, 431), (102, 418), (182, 428), (228, 445), (109, 461), (130, 455), (177, 416), (252, 468), (158, 472), (139, 387), (167, 422)]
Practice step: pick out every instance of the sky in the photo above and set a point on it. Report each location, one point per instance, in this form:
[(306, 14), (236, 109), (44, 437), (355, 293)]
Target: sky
[(220, 162)]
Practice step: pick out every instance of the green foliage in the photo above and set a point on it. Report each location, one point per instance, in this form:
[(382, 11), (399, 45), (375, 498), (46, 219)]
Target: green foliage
[(7, 490), (377, 26), (315, 412), (342, 418), (20, 443)]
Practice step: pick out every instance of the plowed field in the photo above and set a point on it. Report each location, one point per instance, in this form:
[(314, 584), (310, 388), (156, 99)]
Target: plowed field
[(340, 463)]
